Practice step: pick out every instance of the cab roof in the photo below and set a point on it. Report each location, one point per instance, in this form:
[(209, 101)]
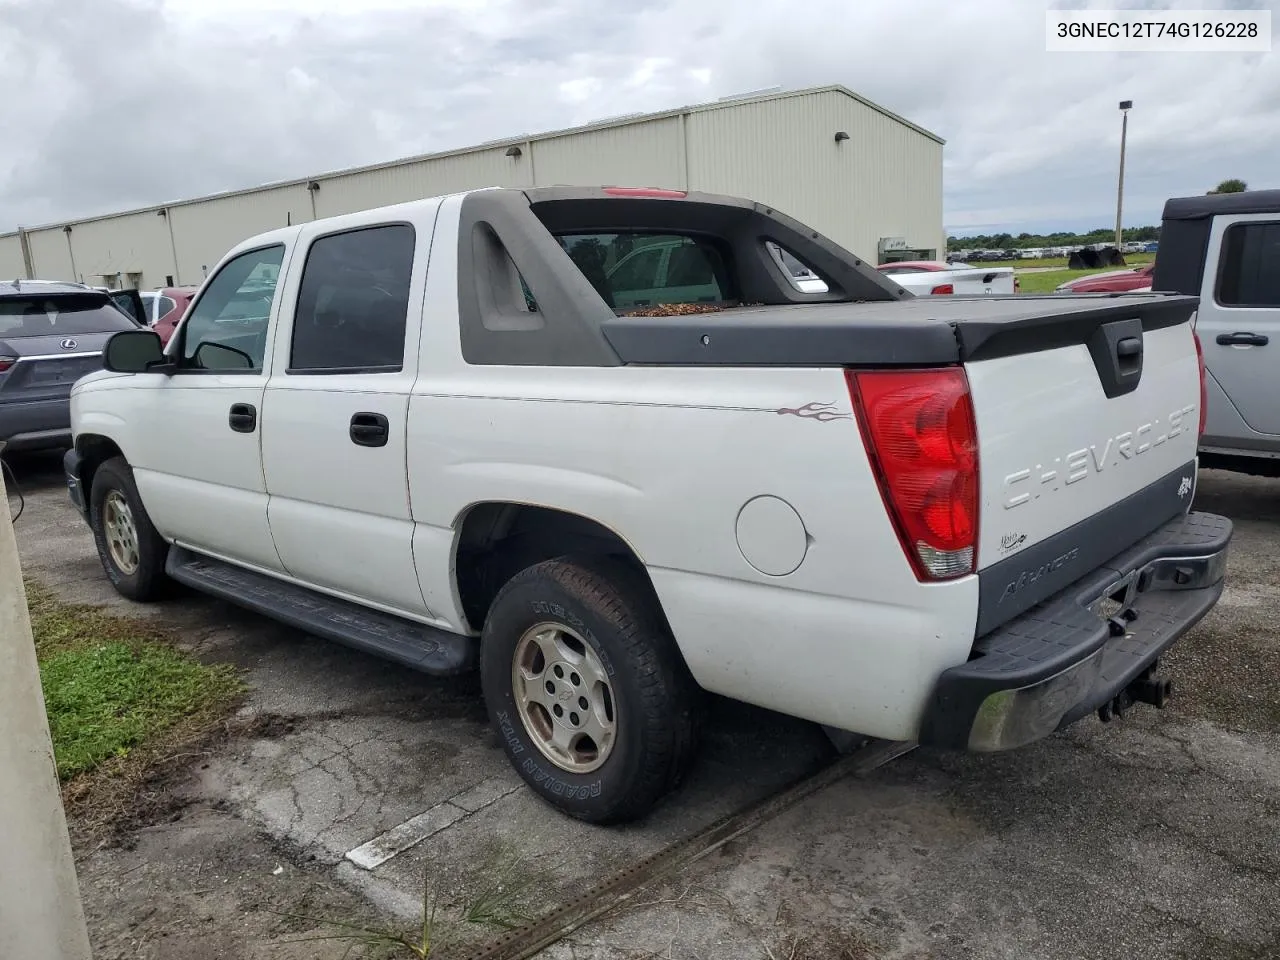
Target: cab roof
[(1215, 204)]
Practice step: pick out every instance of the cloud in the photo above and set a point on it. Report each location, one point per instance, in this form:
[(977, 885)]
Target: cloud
[(120, 103)]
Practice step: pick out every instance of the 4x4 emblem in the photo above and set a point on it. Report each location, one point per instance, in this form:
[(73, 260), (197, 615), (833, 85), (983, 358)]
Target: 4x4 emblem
[(69, 344)]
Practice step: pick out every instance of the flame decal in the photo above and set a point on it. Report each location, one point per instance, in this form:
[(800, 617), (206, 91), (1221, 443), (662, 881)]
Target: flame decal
[(815, 411)]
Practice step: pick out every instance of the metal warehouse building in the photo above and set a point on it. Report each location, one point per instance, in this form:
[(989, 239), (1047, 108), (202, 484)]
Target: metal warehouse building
[(862, 175)]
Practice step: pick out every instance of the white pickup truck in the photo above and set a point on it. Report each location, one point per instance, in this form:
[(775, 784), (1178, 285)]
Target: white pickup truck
[(432, 435)]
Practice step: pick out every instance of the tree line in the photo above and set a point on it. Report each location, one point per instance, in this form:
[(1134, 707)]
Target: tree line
[(1007, 241)]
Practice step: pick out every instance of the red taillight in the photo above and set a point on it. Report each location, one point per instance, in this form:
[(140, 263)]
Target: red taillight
[(944, 288), (6, 363), (1204, 393), (645, 192), (920, 434)]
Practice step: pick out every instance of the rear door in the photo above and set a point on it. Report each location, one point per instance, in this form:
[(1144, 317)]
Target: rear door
[(1239, 322), (336, 412), (131, 304)]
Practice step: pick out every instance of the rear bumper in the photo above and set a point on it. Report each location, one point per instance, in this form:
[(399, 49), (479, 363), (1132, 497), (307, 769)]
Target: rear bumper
[(1062, 659), (36, 424)]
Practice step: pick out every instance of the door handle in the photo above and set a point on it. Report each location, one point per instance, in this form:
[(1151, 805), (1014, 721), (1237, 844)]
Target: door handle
[(1242, 340), (369, 430), (243, 417)]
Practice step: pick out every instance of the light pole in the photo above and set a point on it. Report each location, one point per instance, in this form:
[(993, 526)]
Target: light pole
[(1125, 106)]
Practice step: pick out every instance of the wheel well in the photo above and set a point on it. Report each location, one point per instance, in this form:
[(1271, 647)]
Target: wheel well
[(498, 540), (94, 450)]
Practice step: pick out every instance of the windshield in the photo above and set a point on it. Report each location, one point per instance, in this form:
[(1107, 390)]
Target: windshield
[(61, 315)]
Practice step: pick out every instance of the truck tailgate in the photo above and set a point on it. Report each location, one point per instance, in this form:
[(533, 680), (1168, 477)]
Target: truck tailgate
[(1083, 449)]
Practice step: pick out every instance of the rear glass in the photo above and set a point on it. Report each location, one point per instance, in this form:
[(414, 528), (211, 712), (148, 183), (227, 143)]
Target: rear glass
[(636, 270), (61, 315)]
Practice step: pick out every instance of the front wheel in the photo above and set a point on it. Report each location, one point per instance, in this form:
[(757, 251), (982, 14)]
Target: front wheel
[(587, 690), (131, 551)]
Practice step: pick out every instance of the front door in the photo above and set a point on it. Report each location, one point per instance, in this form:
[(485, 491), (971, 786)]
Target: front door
[(1239, 319), (336, 410), (197, 457)]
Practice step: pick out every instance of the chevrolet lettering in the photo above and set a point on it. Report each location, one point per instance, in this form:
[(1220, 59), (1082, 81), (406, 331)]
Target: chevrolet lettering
[(1078, 464)]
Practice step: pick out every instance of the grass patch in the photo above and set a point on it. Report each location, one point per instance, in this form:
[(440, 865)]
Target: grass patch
[(105, 699), (121, 699)]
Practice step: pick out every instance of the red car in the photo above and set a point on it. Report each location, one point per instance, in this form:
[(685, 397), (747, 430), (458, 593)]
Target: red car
[(173, 304), (1116, 281)]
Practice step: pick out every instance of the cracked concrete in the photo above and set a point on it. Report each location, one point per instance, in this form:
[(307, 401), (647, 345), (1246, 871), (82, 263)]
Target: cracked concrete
[(1157, 836)]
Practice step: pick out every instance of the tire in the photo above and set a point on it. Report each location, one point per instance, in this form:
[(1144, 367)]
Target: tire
[(609, 611), (144, 579)]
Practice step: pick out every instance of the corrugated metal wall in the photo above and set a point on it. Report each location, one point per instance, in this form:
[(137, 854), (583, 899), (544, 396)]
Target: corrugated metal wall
[(884, 181), (11, 264), (51, 254), (120, 246), (418, 179), (645, 154), (203, 232)]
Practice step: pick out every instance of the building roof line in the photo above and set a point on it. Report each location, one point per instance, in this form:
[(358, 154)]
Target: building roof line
[(605, 124)]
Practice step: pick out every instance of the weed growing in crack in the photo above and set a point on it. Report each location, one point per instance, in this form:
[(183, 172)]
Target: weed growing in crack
[(495, 904), (418, 944)]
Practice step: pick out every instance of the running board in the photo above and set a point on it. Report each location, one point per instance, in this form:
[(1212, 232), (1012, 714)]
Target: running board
[(415, 645)]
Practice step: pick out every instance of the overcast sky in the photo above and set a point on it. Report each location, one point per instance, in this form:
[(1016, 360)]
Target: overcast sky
[(111, 104)]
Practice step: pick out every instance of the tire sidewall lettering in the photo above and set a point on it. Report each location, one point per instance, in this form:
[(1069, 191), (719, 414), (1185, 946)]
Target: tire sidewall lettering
[(560, 788), (548, 608)]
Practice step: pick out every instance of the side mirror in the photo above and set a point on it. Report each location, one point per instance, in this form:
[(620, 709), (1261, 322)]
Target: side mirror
[(211, 355), (133, 351)]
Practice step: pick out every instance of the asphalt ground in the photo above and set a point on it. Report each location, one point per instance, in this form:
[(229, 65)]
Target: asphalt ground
[(353, 786)]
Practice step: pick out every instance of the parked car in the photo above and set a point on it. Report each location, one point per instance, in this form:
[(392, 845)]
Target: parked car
[(170, 306), (444, 447), (50, 335), (1225, 248), (936, 278), (1113, 281), (654, 270)]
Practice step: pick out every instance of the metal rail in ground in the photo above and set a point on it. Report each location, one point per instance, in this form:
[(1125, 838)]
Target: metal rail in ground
[(618, 889)]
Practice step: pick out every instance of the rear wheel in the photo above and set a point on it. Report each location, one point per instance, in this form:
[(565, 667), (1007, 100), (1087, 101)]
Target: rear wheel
[(587, 690), (131, 551)]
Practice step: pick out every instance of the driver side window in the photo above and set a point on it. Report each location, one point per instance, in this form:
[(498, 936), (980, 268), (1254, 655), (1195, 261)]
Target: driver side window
[(227, 328)]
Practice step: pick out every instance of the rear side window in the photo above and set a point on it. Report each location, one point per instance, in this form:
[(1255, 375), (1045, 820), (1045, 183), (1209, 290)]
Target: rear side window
[(354, 301), (166, 307), (1250, 273), (801, 276), (63, 315), (633, 270)]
